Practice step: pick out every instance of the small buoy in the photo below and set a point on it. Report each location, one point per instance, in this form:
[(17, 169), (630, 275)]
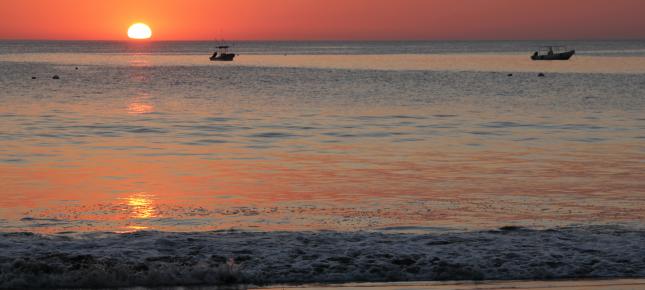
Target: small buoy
[(33, 78), (76, 68), (509, 75), (56, 77), (540, 75)]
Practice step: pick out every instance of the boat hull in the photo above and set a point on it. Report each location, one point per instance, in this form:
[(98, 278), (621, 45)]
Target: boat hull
[(556, 56), (223, 57)]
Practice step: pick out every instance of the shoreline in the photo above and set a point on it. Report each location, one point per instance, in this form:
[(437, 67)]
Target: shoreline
[(573, 284), (568, 284)]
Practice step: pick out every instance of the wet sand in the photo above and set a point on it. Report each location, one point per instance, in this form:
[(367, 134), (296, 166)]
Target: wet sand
[(618, 284), (615, 284)]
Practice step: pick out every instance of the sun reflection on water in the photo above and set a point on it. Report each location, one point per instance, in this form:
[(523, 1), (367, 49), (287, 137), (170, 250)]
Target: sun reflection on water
[(138, 105), (139, 61), (140, 108), (134, 228), (141, 206)]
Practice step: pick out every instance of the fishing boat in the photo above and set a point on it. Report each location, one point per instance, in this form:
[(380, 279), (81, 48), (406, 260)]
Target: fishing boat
[(553, 53), (222, 54)]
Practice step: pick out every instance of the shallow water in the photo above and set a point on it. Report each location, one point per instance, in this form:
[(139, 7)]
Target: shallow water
[(161, 139)]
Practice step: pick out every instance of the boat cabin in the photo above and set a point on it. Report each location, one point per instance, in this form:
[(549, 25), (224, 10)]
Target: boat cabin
[(551, 50), (222, 49)]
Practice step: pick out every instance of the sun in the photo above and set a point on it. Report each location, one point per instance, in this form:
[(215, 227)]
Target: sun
[(139, 31)]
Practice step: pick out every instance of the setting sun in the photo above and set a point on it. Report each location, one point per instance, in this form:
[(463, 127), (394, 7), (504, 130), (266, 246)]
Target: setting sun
[(139, 31)]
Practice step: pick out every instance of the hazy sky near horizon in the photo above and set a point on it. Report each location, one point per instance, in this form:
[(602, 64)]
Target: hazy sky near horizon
[(325, 19)]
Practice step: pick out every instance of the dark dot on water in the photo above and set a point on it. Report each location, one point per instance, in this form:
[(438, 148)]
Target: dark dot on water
[(540, 75), (76, 68), (56, 77), (33, 78), (510, 75)]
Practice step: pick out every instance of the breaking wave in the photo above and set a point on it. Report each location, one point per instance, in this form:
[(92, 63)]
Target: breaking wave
[(151, 258)]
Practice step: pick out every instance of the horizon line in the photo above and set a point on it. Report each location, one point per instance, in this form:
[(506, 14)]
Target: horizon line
[(322, 40)]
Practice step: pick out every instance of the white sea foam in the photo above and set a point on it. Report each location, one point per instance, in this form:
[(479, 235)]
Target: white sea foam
[(161, 258)]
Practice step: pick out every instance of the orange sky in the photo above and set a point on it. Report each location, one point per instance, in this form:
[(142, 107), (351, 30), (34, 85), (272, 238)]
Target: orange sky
[(325, 19)]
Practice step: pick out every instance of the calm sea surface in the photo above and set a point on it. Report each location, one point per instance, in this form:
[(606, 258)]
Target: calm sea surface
[(326, 135)]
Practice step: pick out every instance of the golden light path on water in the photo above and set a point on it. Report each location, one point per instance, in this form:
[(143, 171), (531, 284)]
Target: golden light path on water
[(139, 144), (140, 105), (139, 206)]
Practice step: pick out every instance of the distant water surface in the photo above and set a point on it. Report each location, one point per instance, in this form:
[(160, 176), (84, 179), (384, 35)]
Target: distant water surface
[(405, 136)]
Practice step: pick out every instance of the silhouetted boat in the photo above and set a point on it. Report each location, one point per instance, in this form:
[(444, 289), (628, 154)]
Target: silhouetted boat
[(553, 53), (222, 54)]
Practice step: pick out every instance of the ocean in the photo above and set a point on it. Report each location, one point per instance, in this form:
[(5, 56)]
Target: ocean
[(309, 161)]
